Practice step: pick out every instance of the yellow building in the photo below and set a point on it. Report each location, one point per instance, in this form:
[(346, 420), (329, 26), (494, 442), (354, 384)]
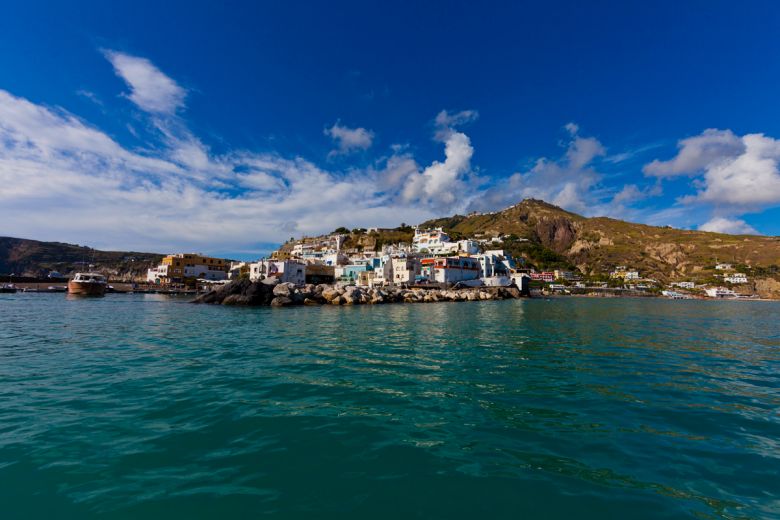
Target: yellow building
[(179, 267)]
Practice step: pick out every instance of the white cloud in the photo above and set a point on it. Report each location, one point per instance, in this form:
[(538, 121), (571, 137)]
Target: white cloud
[(629, 193), (737, 174), (725, 225), (698, 153), (150, 89), (570, 181), (582, 150), (443, 185), (445, 119), (749, 180), (349, 139), (732, 175), (65, 180)]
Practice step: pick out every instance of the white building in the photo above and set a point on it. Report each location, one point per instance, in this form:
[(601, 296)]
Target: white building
[(335, 258), (724, 267), (495, 263), (683, 285), (289, 271), (720, 292), (736, 278), (451, 269), (430, 240), (567, 275), (404, 270), (437, 242), (236, 269), (469, 247)]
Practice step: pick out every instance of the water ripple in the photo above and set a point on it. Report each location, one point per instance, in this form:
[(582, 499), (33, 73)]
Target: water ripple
[(145, 405)]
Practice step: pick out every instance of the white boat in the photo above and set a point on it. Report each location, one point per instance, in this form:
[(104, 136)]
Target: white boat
[(88, 284)]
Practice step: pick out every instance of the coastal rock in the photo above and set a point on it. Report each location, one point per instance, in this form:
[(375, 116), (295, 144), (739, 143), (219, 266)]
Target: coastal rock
[(330, 294), (281, 301), (284, 289), (235, 299), (244, 292)]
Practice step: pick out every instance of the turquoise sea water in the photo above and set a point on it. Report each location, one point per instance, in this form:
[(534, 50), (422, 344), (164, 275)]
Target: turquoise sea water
[(144, 406)]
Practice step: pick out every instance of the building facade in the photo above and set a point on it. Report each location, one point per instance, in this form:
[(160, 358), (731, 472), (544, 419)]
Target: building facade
[(450, 269), (282, 271), (736, 278), (404, 270), (178, 268)]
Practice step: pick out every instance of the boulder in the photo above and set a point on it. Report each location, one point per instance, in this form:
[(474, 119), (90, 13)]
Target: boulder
[(330, 294), (281, 301), (284, 289), (235, 299)]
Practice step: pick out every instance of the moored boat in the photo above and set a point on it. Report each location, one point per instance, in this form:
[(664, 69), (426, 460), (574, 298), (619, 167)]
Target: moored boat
[(88, 284), (7, 288)]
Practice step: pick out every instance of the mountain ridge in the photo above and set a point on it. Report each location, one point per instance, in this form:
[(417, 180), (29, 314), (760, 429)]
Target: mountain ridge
[(543, 234), (597, 244), (27, 257), (549, 237)]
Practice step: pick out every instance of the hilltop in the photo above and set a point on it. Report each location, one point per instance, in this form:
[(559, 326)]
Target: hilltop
[(35, 258), (549, 237), (596, 245)]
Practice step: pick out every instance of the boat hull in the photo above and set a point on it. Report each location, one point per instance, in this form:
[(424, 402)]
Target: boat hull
[(86, 288)]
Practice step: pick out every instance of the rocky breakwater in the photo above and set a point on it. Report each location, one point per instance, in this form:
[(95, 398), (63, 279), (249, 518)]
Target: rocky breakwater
[(244, 292)]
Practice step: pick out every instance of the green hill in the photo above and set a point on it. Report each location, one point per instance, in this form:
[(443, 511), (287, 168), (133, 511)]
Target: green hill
[(34, 258), (556, 237)]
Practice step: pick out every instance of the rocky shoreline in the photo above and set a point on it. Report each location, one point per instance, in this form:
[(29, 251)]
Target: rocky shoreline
[(244, 292)]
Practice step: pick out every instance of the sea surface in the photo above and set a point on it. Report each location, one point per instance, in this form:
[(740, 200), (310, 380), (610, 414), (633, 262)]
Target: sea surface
[(146, 406)]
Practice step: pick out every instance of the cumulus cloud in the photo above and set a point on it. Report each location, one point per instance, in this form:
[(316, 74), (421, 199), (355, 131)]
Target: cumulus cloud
[(446, 122), (150, 89), (730, 226), (697, 153), (734, 173), (443, 184), (749, 180), (349, 139), (64, 179), (570, 181)]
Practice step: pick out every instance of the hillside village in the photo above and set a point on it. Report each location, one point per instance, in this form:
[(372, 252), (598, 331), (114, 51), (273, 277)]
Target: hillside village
[(531, 244), (432, 257)]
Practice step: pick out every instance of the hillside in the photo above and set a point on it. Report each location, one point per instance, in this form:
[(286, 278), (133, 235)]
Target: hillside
[(548, 237), (596, 245), (33, 258)]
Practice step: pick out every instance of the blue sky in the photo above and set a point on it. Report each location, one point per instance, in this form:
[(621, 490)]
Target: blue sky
[(229, 127)]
